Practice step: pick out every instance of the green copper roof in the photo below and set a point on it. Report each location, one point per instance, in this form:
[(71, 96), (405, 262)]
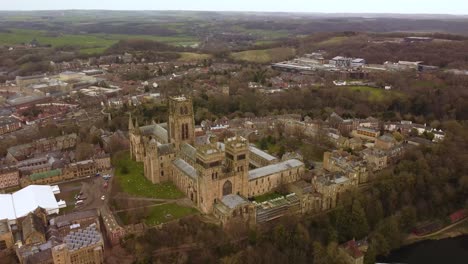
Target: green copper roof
[(46, 174)]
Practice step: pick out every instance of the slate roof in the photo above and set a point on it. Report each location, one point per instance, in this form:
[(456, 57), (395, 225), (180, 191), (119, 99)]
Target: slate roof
[(274, 168), (186, 168), (233, 200), (261, 153), (189, 151), (155, 130), (165, 149)]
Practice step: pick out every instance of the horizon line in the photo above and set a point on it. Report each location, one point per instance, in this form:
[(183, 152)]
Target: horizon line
[(237, 11)]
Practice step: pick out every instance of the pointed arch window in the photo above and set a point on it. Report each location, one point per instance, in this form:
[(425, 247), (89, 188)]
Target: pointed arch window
[(227, 188)]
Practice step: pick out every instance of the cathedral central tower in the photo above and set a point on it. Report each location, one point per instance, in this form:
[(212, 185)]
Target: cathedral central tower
[(181, 124)]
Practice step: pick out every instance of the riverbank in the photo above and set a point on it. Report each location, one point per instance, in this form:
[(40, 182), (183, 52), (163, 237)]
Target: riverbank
[(455, 230)]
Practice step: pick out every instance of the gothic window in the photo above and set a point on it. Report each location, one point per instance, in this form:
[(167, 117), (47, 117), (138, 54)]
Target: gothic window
[(186, 110), (181, 110), (183, 131), (227, 188), (186, 132)]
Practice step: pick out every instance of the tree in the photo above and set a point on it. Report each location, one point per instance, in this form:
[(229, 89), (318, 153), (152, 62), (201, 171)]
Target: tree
[(360, 227), (408, 218), (84, 151)]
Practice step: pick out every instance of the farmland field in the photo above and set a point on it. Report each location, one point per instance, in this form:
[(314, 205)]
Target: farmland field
[(87, 43), (191, 56), (264, 56)]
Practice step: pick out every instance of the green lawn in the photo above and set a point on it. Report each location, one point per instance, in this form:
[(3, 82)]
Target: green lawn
[(375, 94), (264, 56), (167, 212), (267, 196), (130, 177)]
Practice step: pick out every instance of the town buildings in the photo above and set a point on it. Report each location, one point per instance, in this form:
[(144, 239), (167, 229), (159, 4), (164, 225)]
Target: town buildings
[(70, 238), (22, 152), (9, 124)]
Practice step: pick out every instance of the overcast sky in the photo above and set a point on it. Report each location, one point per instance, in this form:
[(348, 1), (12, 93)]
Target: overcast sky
[(328, 6)]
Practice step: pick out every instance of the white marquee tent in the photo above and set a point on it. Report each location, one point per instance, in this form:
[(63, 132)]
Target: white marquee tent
[(28, 199)]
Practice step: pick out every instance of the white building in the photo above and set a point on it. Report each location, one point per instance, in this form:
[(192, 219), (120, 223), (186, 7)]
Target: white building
[(358, 62), (28, 199)]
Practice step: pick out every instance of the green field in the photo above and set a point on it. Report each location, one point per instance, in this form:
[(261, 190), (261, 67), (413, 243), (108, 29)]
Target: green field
[(264, 56), (191, 56), (130, 178), (167, 212), (374, 94), (87, 43)]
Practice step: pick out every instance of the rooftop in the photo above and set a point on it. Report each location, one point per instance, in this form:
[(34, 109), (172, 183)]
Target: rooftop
[(274, 168), (157, 130), (179, 98), (45, 174), (186, 168), (26, 200), (233, 200), (262, 153), (83, 238), (67, 219)]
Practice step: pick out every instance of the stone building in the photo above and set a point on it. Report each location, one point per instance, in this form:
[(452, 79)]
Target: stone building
[(25, 151), (209, 171), (9, 177), (385, 142), (366, 133), (33, 229), (76, 170), (113, 231), (71, 238), (84, 245), (259, 158), (330, 186), (265, 179), (233, 208), (6, 236), (351, 166)]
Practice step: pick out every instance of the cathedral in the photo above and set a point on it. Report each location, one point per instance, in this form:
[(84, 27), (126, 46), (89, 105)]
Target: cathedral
[(218, 177)]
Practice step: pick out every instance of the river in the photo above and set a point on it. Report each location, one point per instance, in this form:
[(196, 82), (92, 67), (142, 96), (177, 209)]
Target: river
[(445, 251)]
